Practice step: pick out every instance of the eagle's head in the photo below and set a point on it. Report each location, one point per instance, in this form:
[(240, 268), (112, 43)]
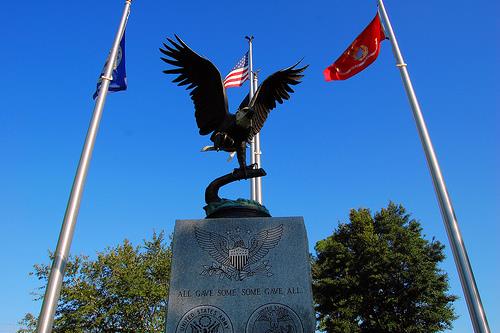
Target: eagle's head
[(239, 243), (244, 116)]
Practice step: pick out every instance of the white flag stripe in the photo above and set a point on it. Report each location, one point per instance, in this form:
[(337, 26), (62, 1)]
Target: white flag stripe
[(236, 84)]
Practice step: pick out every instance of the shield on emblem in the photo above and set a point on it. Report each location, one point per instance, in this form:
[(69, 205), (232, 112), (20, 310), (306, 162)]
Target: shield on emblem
[(238, 257)]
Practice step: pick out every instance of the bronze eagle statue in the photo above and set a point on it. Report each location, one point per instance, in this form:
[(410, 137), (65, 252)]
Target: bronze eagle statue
[(230, 132)]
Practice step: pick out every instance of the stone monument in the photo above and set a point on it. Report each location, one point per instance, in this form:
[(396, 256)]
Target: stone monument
[(240, 275), (239, 270)]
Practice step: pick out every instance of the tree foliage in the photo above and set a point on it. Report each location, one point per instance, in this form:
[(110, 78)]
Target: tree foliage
[(125, 289), (378, 274)]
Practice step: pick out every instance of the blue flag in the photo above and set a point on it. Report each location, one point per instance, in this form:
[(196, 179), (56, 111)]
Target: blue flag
[(119, 73)]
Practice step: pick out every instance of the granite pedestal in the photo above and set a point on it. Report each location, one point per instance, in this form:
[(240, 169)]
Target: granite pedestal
[(240, 275)]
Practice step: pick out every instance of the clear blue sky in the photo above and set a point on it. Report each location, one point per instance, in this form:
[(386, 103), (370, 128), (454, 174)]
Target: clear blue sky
[(334, 146)]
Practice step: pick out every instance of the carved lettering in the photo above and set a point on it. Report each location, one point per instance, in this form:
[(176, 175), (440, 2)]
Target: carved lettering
[(273, 291), (294, 291), (243, 292), (204, 293), (250, 292), (226, 292), (205, 318)]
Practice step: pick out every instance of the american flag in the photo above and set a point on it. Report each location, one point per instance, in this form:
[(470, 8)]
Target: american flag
[(238, 74)]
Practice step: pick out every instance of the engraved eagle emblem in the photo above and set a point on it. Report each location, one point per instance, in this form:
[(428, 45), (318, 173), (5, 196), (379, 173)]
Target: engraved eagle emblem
[(202, 328), (235, 259), (276, 321)]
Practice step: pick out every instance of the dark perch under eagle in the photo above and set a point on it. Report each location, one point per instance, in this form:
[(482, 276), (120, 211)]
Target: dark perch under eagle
[(230, 132)]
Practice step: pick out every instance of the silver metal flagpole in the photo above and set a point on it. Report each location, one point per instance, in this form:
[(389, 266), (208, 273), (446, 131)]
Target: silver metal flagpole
[(253, 183), (257, 152), (52, 293), (476, 311)]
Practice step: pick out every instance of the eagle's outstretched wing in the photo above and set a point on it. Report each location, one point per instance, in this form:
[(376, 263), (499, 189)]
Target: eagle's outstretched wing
[(275, 88), (216, 245), (208, 92), (263, 242)]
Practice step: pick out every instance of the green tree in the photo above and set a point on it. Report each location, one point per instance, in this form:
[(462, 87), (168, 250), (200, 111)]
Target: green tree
[(378, 274), (125, 289)]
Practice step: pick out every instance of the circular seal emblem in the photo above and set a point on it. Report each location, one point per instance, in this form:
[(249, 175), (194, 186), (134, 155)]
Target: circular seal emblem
[(360, 53), (119, 56), (274, 318), (205, 318)]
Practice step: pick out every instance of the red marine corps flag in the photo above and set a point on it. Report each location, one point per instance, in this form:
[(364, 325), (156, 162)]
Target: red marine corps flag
[(361, 53)]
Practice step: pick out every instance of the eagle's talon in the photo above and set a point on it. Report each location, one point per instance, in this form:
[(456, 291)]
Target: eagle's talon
[(245, 174), (239, 171)]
